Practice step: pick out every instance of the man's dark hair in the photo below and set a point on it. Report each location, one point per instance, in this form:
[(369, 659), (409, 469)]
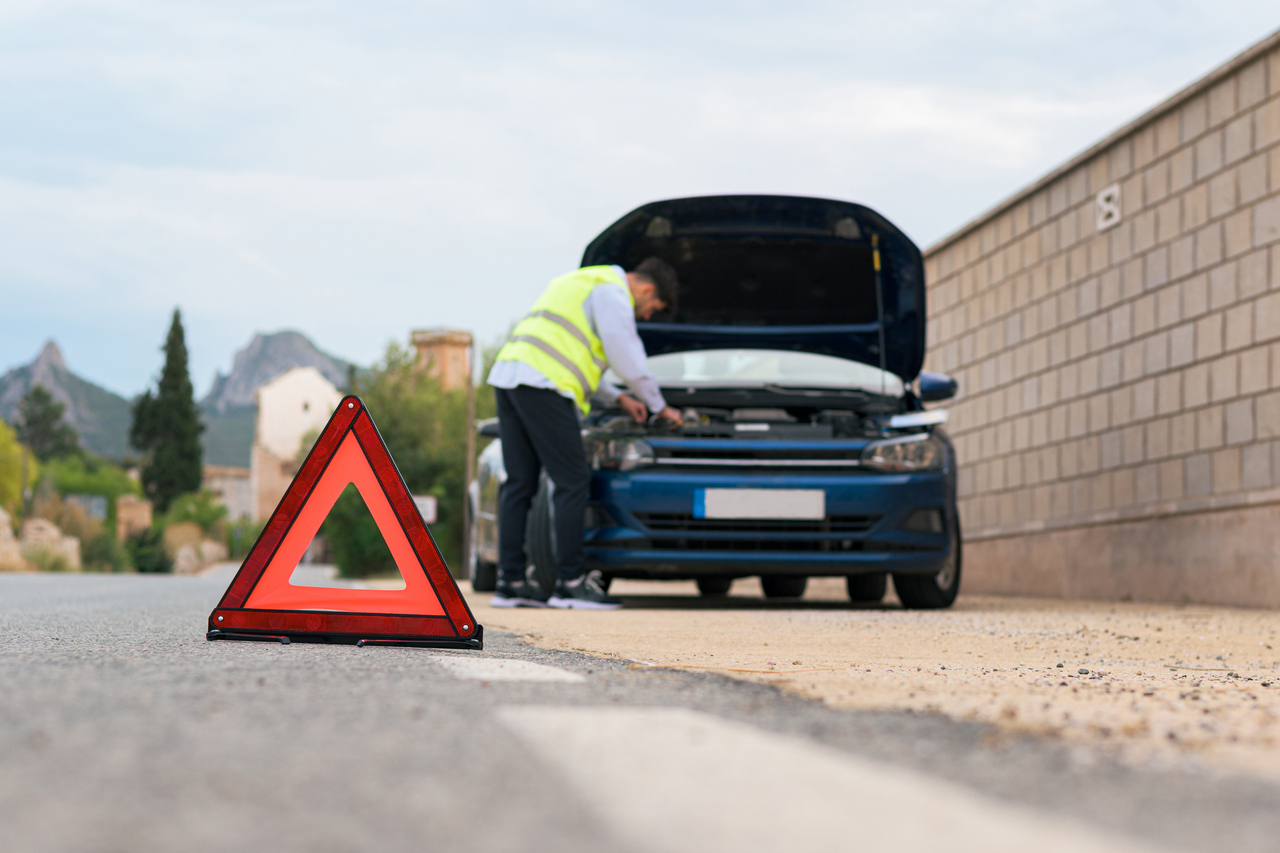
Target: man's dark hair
[(663, 278)]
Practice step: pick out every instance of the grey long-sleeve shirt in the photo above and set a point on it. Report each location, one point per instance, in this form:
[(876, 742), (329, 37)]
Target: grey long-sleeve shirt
[(612, 319)]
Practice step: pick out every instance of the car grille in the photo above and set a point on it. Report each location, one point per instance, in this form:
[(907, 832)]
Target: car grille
[(756, 453), (684, 523), (758, 457), (780, 546)]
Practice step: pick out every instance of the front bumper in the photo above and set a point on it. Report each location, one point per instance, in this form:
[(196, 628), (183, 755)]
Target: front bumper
[(645, 526)]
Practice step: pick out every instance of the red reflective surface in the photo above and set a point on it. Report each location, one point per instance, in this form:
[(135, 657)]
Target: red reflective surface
[(261, 598)]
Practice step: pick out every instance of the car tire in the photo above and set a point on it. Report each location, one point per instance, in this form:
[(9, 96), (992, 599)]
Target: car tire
[(867, 589), (783, 586), (933, 592), (482, 574), (538, 543), (714, 586)]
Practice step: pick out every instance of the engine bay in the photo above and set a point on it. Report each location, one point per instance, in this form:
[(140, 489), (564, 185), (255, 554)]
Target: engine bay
[(753, 414)]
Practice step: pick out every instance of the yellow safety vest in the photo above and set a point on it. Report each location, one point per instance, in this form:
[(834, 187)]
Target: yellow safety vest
[(555, 338)]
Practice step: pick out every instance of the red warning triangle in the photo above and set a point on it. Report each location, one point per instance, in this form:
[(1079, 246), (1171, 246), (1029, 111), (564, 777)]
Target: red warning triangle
[(262, 603)]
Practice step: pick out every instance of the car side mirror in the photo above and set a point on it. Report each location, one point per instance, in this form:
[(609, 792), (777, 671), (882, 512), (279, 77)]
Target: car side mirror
[(487, 428), (936, 386)]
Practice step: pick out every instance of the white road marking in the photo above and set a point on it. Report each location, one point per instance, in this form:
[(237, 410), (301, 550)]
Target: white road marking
[(504, 669), (670, 779)]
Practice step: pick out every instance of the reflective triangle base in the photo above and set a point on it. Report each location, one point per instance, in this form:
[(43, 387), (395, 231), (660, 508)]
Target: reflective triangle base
[(475, 642)]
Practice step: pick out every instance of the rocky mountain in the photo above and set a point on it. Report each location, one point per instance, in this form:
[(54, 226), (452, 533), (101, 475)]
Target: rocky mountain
[(265, 358), (100, 417), (229, 408)]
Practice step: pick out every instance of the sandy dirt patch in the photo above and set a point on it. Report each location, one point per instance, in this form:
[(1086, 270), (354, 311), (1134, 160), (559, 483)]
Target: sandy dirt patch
[(1150, 682)]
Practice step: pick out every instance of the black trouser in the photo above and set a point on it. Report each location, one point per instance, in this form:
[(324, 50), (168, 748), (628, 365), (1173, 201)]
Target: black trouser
[(539, 429)]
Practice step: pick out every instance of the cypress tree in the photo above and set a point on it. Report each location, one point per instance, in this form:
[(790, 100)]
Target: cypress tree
[(166, 426)]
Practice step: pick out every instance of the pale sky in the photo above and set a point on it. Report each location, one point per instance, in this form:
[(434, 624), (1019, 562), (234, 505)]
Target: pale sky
[(357, 170)]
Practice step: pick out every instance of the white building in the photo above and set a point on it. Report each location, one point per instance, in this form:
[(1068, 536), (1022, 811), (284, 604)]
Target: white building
[(292, 407), (233, 488)]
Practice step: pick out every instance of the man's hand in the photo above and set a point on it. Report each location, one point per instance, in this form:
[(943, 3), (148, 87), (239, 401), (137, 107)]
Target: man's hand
[(633, 407), (671, 416), (640, 413)]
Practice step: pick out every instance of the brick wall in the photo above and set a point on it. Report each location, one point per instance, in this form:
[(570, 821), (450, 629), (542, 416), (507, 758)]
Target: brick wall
[(1130, 376)]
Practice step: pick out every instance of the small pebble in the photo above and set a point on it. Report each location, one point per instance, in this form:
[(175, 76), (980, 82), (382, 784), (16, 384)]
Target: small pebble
[(1084, 672), (1059, 666)]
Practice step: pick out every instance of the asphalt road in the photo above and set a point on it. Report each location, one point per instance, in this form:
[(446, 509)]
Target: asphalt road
[(121, 728)]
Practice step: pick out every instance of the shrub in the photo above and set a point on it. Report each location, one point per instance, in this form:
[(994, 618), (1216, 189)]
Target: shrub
[(240, 536), (202, 508), (104, 553), (86, 474), (47, 561), (146, 552), (100, 551)]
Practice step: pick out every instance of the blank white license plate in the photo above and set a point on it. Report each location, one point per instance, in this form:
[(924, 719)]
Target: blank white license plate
[(760, 503)]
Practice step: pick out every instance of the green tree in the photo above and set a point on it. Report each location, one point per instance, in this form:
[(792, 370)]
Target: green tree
[(358, 546), (166, 426), (425, 429), (41, 427), (11, 470)]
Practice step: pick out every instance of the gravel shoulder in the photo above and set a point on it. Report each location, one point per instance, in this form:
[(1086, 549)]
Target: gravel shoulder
[(1145, 682)]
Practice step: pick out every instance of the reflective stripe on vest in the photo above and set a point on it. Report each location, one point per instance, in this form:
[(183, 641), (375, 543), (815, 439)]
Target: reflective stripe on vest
[(555, 338), (567, 325), (561, 359)]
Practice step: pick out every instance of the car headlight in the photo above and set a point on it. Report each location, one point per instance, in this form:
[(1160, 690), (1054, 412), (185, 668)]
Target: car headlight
[(623, 454), (911, 453)]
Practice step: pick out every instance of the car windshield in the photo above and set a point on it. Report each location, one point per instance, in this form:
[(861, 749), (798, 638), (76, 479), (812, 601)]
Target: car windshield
[(722, 368)]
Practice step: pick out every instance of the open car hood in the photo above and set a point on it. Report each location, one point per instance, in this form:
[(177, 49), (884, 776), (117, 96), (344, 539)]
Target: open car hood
[(777, 272)]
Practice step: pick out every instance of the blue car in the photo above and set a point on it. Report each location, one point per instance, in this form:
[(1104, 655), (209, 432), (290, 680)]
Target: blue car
[(805, 450)]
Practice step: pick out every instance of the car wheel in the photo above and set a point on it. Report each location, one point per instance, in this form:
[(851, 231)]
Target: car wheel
[(538, 543), (714, 586), (783, 586), (932, 592), (483, 574), (868, 589)]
